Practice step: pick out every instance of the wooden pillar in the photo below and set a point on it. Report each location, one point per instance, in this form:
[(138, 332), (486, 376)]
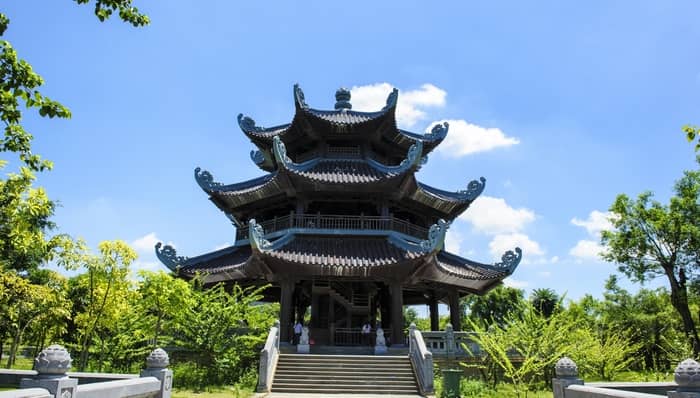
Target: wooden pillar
[(331, 320), (434, 315), (396, 313), (314, 309), (286, 308), (455, 319)]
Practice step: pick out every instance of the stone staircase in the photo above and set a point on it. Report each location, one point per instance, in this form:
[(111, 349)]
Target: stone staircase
[(344, 374)]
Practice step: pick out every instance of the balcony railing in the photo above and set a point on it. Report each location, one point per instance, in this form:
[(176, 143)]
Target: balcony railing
[(337, 222)]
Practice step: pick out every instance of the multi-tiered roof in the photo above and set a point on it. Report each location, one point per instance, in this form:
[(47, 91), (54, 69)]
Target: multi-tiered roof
[(340, 199)]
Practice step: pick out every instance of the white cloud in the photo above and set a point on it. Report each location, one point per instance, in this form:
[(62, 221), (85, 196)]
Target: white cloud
[(410, 106), (465, 138), (518, 284), (587, 249), (554, 259), (504, 242), (146, 243), (453, 241), (596, 222), (494, 216)]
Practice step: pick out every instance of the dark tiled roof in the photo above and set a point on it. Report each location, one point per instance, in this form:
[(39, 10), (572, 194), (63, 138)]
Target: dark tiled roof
[(345, 171), (225, 260), (346, 116), (267, 132), (467, 269), (247, 186), (343, 251)]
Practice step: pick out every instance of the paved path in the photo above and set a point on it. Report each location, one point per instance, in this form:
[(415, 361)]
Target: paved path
[(289, 395)]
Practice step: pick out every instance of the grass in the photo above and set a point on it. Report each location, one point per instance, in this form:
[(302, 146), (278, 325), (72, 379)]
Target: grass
[(215, 392)]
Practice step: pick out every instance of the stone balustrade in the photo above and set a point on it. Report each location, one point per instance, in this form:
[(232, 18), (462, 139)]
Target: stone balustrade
[(52, 380), (567, 384)]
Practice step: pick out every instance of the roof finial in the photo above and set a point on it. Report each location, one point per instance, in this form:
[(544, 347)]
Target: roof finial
[(342, 99)]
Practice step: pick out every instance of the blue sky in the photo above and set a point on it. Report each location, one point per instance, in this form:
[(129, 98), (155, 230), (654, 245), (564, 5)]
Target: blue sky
[(560, 105)]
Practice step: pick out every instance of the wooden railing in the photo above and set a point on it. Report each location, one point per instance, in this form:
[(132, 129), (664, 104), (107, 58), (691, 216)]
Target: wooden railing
[(338, 222)]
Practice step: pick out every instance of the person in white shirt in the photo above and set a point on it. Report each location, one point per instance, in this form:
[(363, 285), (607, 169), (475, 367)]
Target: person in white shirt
[(297, 332), (366, 331)]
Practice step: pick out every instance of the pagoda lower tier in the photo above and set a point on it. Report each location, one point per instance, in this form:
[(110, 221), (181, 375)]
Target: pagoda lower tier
[(346, 277)]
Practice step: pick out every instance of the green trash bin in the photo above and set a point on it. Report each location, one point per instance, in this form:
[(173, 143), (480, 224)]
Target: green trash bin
[(450, 383)]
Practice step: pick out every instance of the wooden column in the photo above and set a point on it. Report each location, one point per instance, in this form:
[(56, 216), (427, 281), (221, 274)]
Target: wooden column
[(396, 313), (434, 315), (455, 319), (331, 320), (286, 308), (314, 309)]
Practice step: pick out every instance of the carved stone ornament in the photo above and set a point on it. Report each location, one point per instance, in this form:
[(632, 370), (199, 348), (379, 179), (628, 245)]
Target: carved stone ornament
[(206, 180), (304, 338), (474, 189), (53, 360), (299, 97), (168, 256), (257, 157), (438, 132), (687, 374), (247, 124), (158, 359), (392, 99), (510, 260), (342, 99), (280, 152), (256, 236), (566, 368), (436, 237)]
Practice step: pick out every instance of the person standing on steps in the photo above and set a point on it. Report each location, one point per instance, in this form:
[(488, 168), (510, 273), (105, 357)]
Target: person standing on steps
[(297, 332), (366, 330)]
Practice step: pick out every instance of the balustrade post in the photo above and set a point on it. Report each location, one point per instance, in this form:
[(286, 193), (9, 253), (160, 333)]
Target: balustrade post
[(450, 346), (566, 373), (51, 365), (157, 366), (687, 376)]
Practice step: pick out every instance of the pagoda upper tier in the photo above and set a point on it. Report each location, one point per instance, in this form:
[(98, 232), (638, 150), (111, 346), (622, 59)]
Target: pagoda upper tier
[(339, 133), (322, 154)]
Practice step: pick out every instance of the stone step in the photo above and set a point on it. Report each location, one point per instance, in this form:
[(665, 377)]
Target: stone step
[(355, 382), (344, 387), (340, 378), (376, 358), (363, 372), (347, 369), (335, 365), (294, 392)]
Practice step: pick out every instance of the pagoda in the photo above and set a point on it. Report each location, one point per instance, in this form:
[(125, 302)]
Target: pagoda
[(340, 227)]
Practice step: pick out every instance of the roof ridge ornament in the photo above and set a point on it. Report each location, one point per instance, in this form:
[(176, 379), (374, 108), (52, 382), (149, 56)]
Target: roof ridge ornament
[(299, 98), (256, 236), (413, 159), (206, 180), (247, 124), (280, 152), (342, 99), (438, 132), (474, 189), (510, 259), (168, 256), (392, 99), (436, 237)]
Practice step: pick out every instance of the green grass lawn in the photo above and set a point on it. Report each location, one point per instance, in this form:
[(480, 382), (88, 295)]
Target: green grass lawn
[(222, 392)]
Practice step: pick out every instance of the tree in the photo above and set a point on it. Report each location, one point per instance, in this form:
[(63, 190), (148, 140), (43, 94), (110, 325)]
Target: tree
[(161, 298), (19, 83), (692, 132), (651, 239), (495, 306), (545, 301)]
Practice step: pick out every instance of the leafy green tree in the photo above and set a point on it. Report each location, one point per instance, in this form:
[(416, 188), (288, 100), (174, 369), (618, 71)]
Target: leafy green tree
[(692, 132), (223, 332), (19, 85), (105, 288), (525, 345), (162, 297), (651, 239), (545, 301), (494, 307), (603, 354)]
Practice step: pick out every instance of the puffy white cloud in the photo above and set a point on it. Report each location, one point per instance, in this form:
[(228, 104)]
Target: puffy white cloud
[(494, 216), (504, 242), (518, 284), (410, 106), (146, 243), (587, 250), (596, 222), (465, 138), (453, 241)]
